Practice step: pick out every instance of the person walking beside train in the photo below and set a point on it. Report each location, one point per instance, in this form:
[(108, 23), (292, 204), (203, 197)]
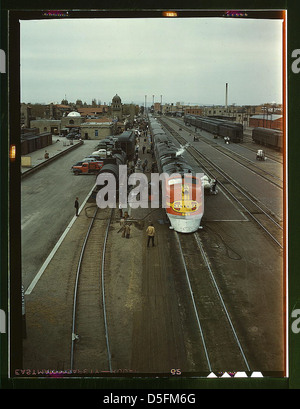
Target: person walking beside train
[(151, 233), (76, 205), (144, 165)]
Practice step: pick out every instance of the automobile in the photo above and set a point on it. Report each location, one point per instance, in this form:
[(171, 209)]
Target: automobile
[(87, 168), (101, 152), (85, 160), (89, 159), (96, 157)]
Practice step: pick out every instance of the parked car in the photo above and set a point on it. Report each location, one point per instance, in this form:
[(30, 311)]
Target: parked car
[(85, 160), (87, 167)]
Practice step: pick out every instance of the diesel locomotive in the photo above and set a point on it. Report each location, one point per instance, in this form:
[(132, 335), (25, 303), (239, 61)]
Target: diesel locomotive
[(183, 188)]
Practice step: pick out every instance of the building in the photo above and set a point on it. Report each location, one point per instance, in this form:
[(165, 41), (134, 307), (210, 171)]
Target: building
[(272, 121), (32, 140), (93, 112), (57, 111), (30, 112), (157, 107), (97, 129), (193, 110), (52, 126), (72, 120), (95, 122), (116, 108)]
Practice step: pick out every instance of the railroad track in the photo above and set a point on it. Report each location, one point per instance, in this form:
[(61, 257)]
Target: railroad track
[(222, 348), (270, 155), (239, 158), (90, 339), (250, 205)]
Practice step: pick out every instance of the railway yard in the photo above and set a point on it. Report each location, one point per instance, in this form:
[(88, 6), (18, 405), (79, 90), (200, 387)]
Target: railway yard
[(212, 300)]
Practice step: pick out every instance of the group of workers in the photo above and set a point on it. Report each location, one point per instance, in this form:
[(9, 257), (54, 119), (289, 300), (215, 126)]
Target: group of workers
[(126, 223)]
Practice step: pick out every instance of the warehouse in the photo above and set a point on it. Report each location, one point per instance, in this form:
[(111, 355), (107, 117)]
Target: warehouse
[(271, 121), (31, 141)]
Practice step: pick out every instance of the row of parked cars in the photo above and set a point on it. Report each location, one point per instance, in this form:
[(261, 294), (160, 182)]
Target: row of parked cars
[(93, 163)]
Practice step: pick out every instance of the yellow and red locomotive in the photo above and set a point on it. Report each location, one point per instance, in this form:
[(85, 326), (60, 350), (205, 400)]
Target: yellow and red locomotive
[(182, 188)]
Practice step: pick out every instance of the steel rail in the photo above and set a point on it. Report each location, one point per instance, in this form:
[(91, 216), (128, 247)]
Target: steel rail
[(200, 246), (193, 301), (190, 149), (245, 209), (245, 137), (103, 292), (74, 336), (240, 159), (237, 187)]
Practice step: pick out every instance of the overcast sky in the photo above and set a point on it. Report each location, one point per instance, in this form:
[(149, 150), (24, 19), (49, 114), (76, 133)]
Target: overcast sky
[(184, 60)]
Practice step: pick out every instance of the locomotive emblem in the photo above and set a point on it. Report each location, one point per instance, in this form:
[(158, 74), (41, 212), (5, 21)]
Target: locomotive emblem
[(186, 205)]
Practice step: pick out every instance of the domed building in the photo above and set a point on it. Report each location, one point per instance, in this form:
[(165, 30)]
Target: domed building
[(116, 108), (73, 114), (72, 120)]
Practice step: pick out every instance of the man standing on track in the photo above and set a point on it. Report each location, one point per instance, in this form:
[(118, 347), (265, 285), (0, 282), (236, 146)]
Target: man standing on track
[(151, 233)]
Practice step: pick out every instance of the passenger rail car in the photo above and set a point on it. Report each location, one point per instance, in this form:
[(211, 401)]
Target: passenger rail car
[(268, 137), (216, 126), (184, 193)]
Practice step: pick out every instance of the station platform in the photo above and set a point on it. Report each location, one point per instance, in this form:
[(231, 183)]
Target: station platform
[(60, 145)]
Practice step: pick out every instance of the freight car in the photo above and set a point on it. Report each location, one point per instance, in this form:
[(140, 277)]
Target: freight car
[(216, 126), (268, 137), (126, 142)]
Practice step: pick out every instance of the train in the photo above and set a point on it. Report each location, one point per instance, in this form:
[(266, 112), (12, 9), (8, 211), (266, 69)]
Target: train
[(121, 151), (216, 126), (272, 138), (125, 142), (184, 191)]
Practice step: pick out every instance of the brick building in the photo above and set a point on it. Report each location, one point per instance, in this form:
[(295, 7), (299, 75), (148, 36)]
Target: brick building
[(193, 111), (271, 121)]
